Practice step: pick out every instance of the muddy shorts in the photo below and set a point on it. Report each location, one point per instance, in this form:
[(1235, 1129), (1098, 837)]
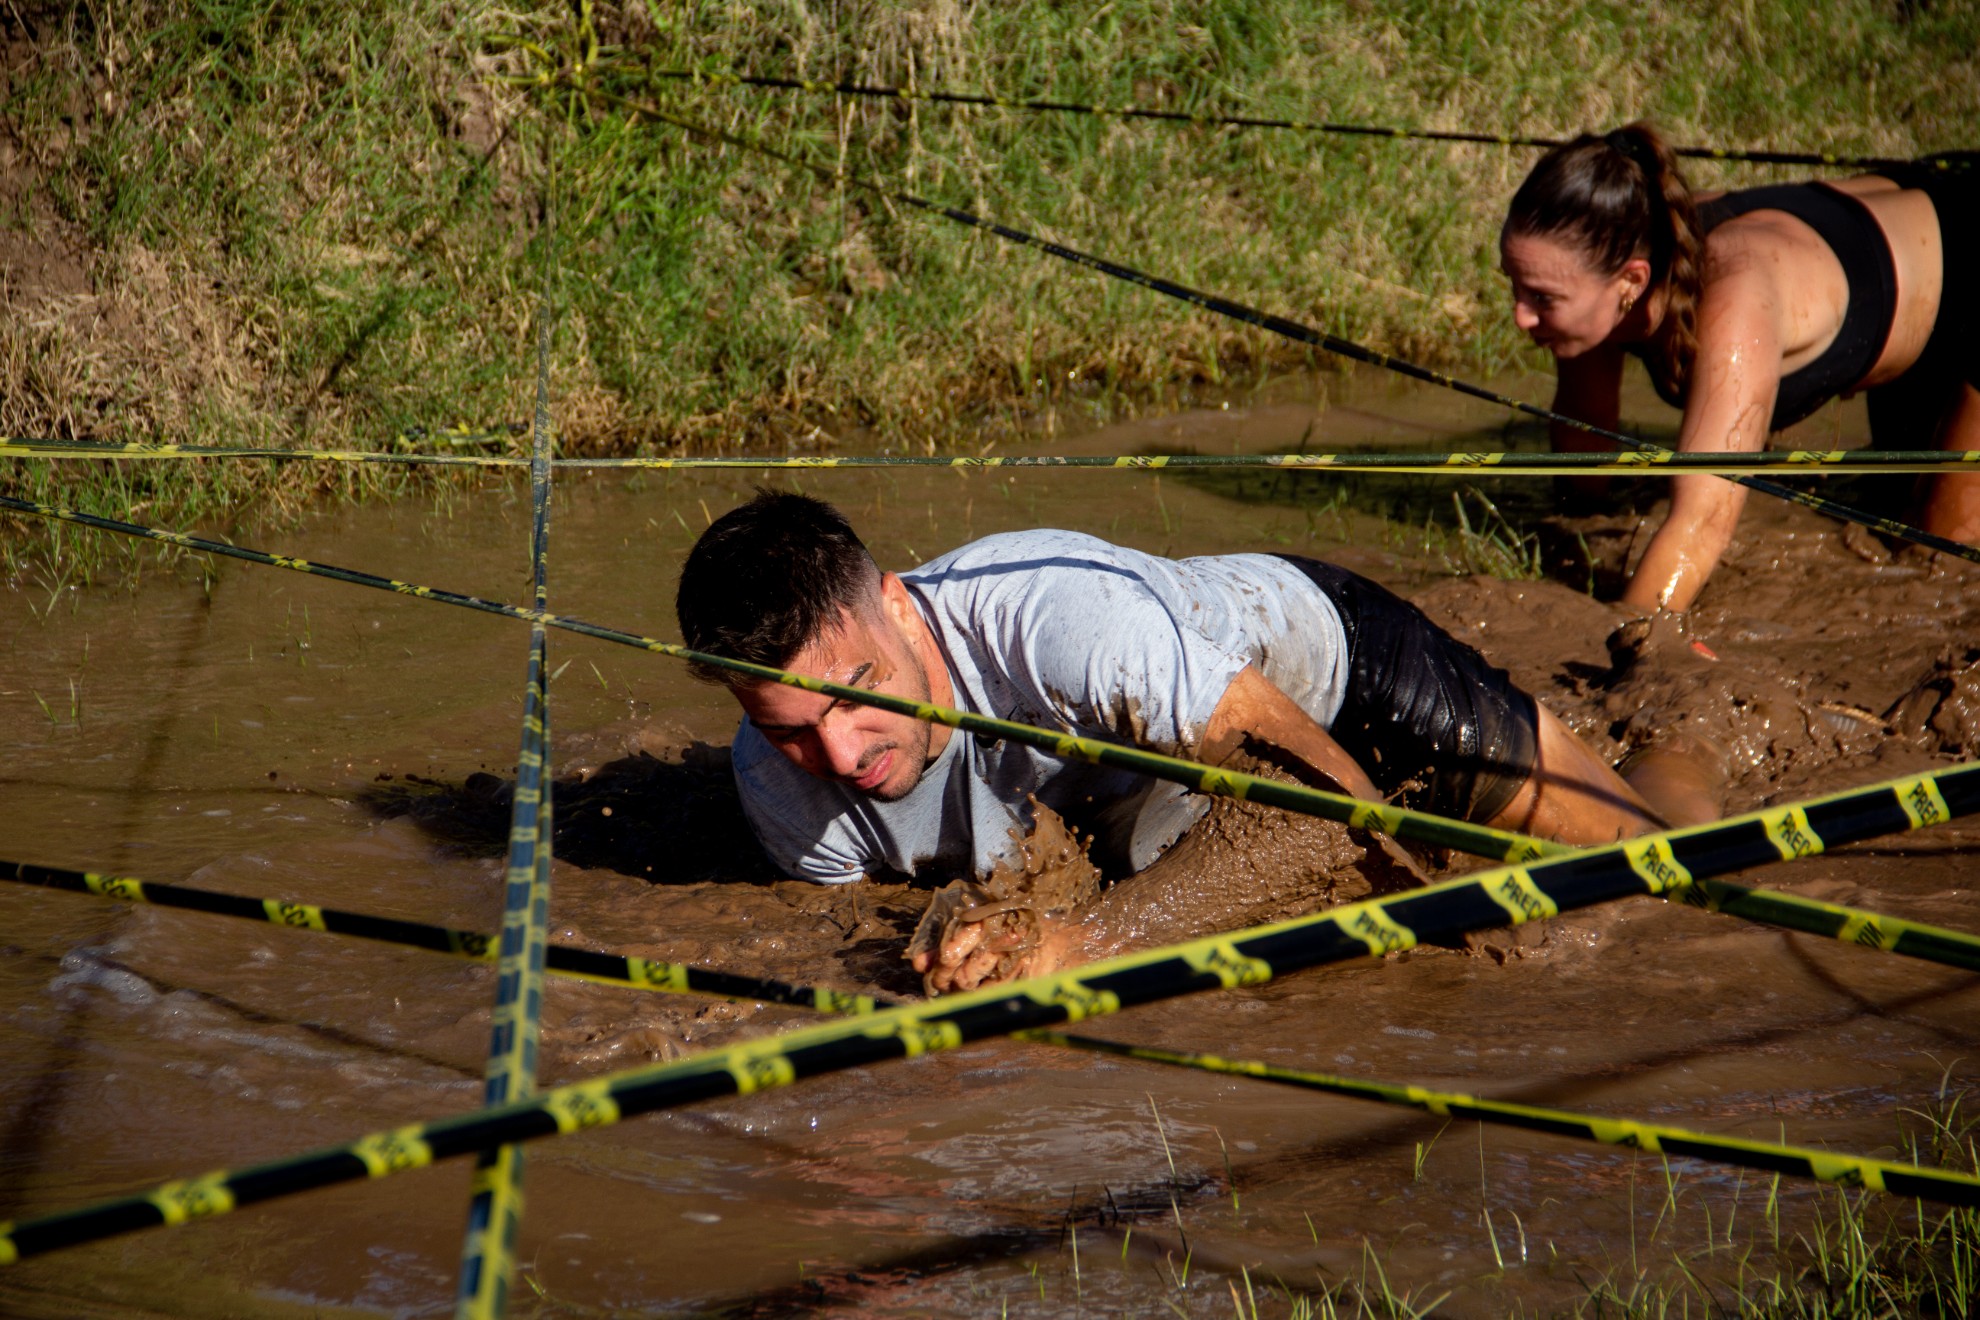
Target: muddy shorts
[(1424, 713)]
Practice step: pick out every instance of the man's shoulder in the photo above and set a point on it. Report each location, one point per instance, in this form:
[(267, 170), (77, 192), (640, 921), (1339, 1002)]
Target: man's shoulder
[(1021, 579), (1001, 554)]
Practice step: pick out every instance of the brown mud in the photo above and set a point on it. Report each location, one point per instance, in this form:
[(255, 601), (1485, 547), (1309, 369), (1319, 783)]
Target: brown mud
[(1267, 865), (286, 737), (1264, 865)]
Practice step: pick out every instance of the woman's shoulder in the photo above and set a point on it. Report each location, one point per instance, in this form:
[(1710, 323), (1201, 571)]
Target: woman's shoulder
[(1765, 248)]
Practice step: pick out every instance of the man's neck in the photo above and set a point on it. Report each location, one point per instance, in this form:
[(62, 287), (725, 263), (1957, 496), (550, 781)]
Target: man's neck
[(934, 661)]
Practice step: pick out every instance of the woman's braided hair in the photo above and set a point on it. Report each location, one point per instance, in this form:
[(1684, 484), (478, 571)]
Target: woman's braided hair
[(1618, 196)]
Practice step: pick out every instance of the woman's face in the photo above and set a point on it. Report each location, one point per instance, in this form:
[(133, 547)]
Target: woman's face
[(1562, 304)]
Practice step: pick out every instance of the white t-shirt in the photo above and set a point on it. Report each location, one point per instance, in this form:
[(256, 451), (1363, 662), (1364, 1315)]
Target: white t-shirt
[(1064, 631)]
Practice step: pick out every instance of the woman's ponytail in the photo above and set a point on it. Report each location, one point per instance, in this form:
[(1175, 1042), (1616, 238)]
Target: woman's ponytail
[(1677, 251)]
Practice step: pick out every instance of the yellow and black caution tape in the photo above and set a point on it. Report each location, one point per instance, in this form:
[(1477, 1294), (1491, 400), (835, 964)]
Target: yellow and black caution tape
[(1870, 930), (984, 100), (1508, 895), (1954, 948), (1278, 325), (1848, 925), (479, 946), (1799, 462), (1513, 895), (1913, 938), (1400, 822), (495, 1208), (1794, 1161), (19, 446)]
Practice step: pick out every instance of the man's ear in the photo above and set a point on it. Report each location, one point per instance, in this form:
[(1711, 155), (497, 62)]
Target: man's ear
[(900, 608)]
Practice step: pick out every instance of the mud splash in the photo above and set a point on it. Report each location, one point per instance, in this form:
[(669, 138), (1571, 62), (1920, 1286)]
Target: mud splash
[(1002, 920), (1242, 864)]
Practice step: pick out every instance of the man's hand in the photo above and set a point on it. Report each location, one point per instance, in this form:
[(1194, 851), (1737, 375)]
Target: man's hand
[(973, 953)]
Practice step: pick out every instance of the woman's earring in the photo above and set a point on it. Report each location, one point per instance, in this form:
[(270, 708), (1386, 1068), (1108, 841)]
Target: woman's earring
[(1628, 301)]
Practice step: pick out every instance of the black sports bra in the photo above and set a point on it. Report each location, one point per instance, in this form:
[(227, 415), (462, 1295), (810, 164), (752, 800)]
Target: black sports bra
[(1854, 235)]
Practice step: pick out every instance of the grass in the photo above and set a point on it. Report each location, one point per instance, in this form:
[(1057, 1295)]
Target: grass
[(1495, 547), (1862, 1257), (319, 223), (1854, 1254), (1863, 1254)]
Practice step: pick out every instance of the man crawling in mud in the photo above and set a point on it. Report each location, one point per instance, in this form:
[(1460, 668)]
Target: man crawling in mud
[(1312, 668)]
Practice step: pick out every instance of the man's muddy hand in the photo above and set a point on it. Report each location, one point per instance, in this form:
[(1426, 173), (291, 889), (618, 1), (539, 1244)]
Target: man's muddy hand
[(971, 956)]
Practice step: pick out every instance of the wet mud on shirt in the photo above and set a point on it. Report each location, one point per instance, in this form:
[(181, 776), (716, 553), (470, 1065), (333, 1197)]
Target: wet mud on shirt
[(1067, 632)]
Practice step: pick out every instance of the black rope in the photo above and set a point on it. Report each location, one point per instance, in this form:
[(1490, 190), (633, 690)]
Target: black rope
[(983, 100), (1279, 325)]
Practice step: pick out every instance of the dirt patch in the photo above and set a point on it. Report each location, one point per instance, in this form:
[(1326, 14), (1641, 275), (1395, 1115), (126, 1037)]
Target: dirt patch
[(1244, 864), (41, 254), (1802, 692)]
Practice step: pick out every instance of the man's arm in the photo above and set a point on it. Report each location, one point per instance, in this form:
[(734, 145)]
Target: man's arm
[(1252, 716), (1255, 716)]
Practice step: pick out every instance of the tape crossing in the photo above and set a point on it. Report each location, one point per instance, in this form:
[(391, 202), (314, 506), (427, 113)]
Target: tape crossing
[(1646, 865), (1864, 929)]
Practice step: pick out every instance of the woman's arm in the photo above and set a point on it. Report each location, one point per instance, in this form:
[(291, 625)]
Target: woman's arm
[(1729, 404)]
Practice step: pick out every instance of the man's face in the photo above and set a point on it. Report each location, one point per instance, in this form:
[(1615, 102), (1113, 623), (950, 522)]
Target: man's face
[(872, 751)]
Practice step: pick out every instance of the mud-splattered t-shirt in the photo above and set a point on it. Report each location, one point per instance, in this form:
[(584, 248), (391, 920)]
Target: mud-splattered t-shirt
[(1065, 631)]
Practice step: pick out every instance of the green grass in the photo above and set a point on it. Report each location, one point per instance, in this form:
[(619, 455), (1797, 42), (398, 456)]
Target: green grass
[(319, 223), (1754, 1251), (1860, 1254)]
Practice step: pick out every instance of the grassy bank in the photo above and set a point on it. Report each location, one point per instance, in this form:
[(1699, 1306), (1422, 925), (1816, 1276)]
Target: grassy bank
[(319, 223)]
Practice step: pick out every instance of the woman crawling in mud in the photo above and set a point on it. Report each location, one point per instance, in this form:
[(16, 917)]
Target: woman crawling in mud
[(1751, 309), (1293, 661)]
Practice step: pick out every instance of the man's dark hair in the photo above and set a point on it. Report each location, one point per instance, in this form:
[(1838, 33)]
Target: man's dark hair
[(769, 578)]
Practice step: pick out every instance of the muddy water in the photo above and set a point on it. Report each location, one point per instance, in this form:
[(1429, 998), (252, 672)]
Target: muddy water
[(273, 735)]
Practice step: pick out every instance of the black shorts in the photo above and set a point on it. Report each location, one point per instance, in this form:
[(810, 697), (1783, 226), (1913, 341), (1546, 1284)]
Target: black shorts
[(1952, 352), (1908, 413), (1954, 349), (1425, 713)]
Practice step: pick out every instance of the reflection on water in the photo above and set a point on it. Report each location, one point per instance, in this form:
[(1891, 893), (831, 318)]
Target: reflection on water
[(287, 737)]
